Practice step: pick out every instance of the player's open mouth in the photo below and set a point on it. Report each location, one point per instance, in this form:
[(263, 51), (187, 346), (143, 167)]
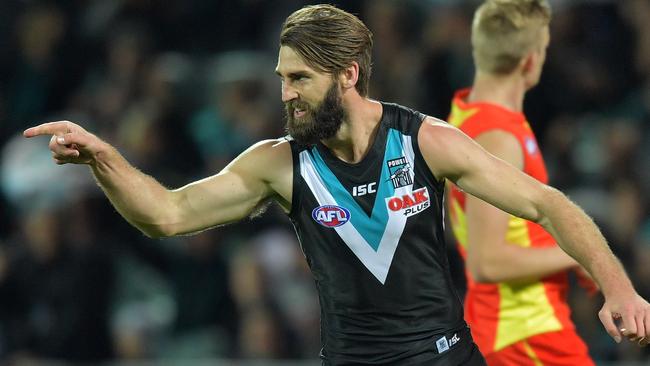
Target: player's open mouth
[(297, 112)]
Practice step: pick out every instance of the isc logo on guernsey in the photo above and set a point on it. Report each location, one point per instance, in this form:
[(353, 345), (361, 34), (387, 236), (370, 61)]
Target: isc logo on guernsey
[(410, 204), (331, 215)]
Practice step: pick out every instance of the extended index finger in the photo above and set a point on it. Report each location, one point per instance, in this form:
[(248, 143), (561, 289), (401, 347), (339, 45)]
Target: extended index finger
[(50, 128)]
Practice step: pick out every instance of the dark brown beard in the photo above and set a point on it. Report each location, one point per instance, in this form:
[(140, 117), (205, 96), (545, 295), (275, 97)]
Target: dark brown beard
[(319, 123)]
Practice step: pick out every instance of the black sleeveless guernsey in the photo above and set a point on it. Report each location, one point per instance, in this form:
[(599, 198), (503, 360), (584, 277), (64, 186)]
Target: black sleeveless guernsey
[(372, 234)]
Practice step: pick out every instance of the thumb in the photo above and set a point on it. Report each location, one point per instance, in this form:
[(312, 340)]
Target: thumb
[(73, 138)]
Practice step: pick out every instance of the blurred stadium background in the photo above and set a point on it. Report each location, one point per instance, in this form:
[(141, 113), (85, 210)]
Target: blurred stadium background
[(183, 86)]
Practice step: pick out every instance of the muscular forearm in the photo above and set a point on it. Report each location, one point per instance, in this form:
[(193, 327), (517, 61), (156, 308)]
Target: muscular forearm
[(139, 198), (577, 234), (504, 262), (228, 196)]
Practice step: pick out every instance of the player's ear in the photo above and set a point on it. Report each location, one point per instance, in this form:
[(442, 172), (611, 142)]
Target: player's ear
[(349, 76), (529, 62)]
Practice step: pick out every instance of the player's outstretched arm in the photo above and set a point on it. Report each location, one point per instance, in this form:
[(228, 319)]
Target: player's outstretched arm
[(451, 154), (260, 173)]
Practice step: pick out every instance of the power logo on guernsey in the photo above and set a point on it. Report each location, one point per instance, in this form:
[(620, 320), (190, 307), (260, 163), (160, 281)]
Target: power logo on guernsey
[(331, 215), (411, 203)]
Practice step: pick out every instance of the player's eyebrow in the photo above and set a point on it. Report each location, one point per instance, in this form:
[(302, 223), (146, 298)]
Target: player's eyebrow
[(293, 75)]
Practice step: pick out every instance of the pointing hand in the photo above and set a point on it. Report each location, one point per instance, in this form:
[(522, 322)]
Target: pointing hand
[(70, 143)]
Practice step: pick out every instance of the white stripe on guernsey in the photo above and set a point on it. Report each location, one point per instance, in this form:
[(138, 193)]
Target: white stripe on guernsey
[(379, 262), (407, 145)]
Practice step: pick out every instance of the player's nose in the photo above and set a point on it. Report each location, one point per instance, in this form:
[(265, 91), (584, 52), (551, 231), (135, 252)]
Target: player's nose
[(288, 93)]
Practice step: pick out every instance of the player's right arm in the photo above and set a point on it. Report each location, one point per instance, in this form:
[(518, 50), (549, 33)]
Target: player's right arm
[(479, 173), (258, 174), (490, 258)]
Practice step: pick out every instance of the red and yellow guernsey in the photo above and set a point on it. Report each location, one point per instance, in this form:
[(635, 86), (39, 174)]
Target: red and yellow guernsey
[(504, 313)]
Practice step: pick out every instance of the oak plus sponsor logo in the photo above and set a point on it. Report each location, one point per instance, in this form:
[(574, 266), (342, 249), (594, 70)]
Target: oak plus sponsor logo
[(411, 203), (400, 172), (331, 215)]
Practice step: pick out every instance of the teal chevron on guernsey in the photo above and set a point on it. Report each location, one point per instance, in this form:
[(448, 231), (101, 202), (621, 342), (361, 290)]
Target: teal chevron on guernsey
[(373, 239)]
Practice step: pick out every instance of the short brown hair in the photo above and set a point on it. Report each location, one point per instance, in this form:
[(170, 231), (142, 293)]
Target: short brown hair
[(503, 31), (329, 40)]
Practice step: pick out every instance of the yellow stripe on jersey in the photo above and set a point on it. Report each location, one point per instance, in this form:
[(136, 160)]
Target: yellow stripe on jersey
[(517, 233), (531, 353), (524, 311), (459, 225), (458, 116)]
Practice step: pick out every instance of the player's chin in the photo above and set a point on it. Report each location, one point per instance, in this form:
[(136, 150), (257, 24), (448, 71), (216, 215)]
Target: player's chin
[(304, 136), (300, 125)]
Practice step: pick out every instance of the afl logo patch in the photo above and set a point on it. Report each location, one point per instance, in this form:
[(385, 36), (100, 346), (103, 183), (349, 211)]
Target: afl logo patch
[(531, 145), (331, 215)]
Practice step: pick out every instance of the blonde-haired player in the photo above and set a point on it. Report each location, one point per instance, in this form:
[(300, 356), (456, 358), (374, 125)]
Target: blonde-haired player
[(517, 274)]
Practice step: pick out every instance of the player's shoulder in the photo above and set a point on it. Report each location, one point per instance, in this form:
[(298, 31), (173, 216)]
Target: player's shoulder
[(401, 118), (436, 122), (439, 138), (274, 147), (437, 130), (266, 156)]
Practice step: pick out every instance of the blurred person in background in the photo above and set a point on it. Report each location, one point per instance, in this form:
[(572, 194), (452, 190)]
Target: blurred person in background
[(156, 113), (272, 282), (237, 107), (447, 55), (56, 288), (114, 81), (397, 56), (265, 171), (205, 319), (516, 272), (36, 80), (636, 105)]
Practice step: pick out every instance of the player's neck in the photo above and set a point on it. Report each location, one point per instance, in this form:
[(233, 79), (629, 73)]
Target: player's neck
[(506, 91), (357, 133)]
